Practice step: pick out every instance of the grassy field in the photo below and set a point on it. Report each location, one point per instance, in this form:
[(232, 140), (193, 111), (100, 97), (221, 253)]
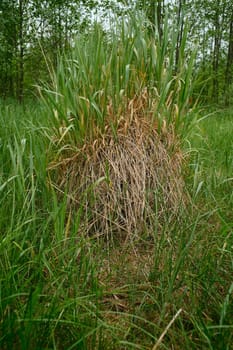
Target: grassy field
[(170, 288)]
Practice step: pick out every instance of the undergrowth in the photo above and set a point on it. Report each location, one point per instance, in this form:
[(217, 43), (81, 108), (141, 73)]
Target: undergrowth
[(61, 288)]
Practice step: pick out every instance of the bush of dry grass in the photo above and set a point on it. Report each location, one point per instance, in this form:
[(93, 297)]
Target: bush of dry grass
[(125, 180)]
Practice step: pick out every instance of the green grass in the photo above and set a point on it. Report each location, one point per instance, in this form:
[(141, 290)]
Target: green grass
[(62, 290), (213, 161), (104, 71)]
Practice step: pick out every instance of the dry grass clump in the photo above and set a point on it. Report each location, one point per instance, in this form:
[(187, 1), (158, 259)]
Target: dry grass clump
[(124, 180)]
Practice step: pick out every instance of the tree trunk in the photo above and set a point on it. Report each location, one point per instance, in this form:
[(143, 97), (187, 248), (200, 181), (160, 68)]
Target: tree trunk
[(216, 52), (180, 25), (229, 64), (160, 18), (21, 54)]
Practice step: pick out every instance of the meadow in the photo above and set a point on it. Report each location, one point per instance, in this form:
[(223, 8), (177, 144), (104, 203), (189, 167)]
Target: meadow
[(63, 283)]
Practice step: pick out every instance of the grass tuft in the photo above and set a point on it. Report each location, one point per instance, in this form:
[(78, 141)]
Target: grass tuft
[(119, 181)]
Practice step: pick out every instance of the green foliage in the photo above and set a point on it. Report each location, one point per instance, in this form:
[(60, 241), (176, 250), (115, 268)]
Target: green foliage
[(105, 71)]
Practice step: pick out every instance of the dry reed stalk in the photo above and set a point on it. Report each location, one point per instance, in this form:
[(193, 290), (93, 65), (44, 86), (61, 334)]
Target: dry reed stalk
[(140, 172)]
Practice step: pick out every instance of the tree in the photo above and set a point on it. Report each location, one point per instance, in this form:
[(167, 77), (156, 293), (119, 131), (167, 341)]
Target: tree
[(8, 47), (21, 26), (30, 28), (229, 63), (180, 27), (14, 39)]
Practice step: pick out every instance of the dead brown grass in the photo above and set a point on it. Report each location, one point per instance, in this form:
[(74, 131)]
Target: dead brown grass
[(125, 182)]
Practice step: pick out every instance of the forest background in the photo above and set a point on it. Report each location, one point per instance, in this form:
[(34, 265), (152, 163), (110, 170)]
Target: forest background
[(29, 29)]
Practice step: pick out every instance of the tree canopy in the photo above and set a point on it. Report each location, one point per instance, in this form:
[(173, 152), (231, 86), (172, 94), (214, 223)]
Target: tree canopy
[(33, 32)]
